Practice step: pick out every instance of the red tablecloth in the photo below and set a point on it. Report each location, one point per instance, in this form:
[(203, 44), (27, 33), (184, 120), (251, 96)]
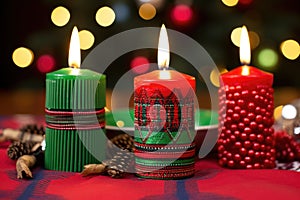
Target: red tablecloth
[(210, 182)]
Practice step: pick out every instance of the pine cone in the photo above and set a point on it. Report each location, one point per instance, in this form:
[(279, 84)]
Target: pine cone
[(120, 163), (33, 129), (17, 149), (287, 149), (123, 141)]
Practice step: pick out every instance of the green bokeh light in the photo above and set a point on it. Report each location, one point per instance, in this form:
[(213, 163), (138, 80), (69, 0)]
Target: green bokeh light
[(267, 58)]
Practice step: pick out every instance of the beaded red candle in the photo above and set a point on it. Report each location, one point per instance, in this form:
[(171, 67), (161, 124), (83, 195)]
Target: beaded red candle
[(246, 137), (164, 120)]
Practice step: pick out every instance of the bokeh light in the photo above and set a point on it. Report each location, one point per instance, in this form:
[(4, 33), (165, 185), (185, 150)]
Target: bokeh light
[(45, 63), (147, 11), (87, 39), (230, 3), (60, 16), (236, 34), (105, 16), (182, 14), (290, 49), (140, 64), (122, 11), (22, 57), (289, 112), (267, 58), (277, 112), (215, 76), (120, 123)]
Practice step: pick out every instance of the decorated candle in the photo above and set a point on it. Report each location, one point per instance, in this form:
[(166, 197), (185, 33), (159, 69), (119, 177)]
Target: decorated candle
[(246, 115), (75, 101), (164, 120)]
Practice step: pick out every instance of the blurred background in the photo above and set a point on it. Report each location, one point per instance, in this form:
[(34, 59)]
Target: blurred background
[(35, 40)]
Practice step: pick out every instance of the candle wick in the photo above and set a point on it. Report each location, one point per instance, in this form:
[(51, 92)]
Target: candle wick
[(164, 66), (74, 65)]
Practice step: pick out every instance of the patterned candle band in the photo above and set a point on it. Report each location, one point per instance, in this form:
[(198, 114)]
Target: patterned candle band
[(177, 173), (71, 120), (164, 148), (158, 155)]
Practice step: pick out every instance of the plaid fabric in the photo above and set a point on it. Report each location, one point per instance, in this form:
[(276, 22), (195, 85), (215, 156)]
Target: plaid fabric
[(209, 182)]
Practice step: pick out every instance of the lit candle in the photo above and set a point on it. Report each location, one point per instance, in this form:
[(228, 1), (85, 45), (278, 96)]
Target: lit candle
[(164, 120), (246, 115), (75, 101)]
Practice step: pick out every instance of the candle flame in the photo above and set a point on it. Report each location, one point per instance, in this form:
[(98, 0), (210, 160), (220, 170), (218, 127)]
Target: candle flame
[(245, 70), (245, 54), (163, 54), (74, 50)]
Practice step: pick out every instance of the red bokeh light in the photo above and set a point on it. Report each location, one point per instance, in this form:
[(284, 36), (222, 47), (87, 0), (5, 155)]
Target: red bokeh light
[(45, 63), (140, 65), (181, 14), (245, 2)]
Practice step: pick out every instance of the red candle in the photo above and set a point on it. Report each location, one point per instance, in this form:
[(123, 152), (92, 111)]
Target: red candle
[(246, 116), (164, 120)]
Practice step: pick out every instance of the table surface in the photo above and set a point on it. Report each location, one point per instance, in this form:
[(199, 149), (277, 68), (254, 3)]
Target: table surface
[(210, 181)]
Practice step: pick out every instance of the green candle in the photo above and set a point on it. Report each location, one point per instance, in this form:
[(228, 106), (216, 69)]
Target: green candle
[(75, 115)]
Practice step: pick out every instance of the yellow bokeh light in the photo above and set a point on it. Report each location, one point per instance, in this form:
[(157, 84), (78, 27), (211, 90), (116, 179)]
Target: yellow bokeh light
[(277, 112), (147, 11), (60, 16), (215, 76), (290, 49), (105, 16), (22, 57), (253, 36), (230, 3), (120, 123), (87, 39)]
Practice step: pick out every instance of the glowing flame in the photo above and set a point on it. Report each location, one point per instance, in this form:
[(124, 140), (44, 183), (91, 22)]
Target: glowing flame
[(245, 70), (74, 50), (245, 54), (163, 54)]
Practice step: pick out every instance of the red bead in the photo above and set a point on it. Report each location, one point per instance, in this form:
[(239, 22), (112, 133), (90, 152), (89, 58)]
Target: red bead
[(256, 146), (232, 138), (260, 138), (242, 163), (253, 125), (241, 103), (237, 134), (245, 93), (269, 140), (228, 133), (263, 147), (251, 106), (238, 145), (249, 167), (257, 110), (243, 151), (236, 95), (258, 118), (230, 112), (262, 154), (256, 166), (247, 144), (221, 148), (237, 157), (260, 127), (243, 113), (267, 162), (237, 109), (257, 154), (251, 116), (252, 136), (233, 127), (231, 163), (236, 117), (247, 130), (241, 126), (244, 136), (229, 155), (248, 159), (251, 153), (246, 121)]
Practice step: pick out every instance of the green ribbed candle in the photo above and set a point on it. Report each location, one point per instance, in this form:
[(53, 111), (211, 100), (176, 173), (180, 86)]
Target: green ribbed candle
[(75, 101)]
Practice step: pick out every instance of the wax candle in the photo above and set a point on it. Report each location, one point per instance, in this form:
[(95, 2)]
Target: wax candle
[(75, 101), (246, 115), (164, 120)]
